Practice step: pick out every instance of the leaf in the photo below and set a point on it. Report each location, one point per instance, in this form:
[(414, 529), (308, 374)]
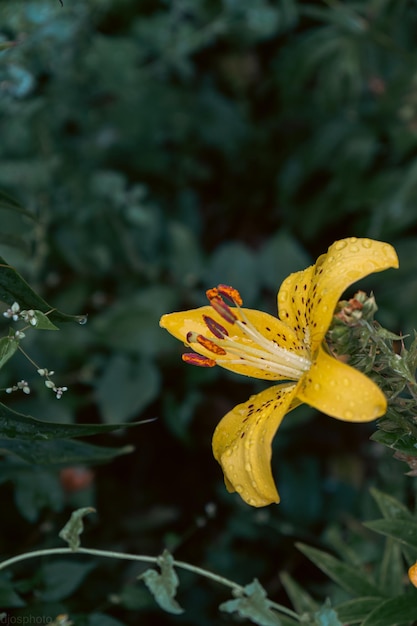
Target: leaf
[(36, 489), (43, 322), (9, 203), (300, 599), (163, 586), (400, 610), (403, 442), (356, 610), (8, 596), (62, 578), (13, 288), (60, 452), (390, 507), (327, 616), (16, 425), (234, 264), (8, 346), (348, 577), (126, 388), (253, 605), (74, 527), (403, 531)]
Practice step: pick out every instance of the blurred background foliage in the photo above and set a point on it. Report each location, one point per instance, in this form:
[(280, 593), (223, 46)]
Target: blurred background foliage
[(160, 147)]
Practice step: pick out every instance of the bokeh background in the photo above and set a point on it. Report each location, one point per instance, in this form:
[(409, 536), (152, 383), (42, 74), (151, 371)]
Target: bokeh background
[(162, 147)]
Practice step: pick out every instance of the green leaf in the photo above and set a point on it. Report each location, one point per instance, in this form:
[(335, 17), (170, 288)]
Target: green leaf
[(300, 599), (13, 288), (62, 578), (390, 507), (402, 442), (8, 346), (9, 203), (35, 489), (8, 596), (253, 605), (234, 264), (348, 577), (43, 322), (356, 610), (74, 527), (327, 616), (403, 530), (126, 388), (164, 586), (60, 452), (16, 425), (400, 610), (391, 568)]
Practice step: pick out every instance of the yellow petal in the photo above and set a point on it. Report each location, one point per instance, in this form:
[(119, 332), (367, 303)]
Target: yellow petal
[(307, 299), (341, 391), (242, 443), (180, 324)]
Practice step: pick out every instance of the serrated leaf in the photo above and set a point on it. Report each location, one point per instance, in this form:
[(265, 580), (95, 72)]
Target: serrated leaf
[(403, 531), (74, 527), (254, 605), (14, 288), (164, 586), (400, 610), (60, 452), (8, 346), (327, 616), (17, 425), (405, 443), (356, 610), (348, 577)]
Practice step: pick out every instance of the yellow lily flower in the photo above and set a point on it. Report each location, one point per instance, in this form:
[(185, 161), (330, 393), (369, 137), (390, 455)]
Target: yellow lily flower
[(289, 348)]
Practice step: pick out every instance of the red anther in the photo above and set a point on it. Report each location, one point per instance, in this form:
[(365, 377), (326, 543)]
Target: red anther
[(210, 345), (217, 329), (198, 359), (231, 293), (191, 336), (223, 310), (212, 293)]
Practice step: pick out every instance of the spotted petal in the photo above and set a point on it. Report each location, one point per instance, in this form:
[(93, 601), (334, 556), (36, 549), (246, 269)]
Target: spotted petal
[(242, 443), (180, 324), (341, 391), (307, 299)]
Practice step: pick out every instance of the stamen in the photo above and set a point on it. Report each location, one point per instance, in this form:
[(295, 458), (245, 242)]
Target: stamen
[(210, 345), (223, 309), (212, 293), (217, 329), (198, 359), (231, 293), (193, 337)]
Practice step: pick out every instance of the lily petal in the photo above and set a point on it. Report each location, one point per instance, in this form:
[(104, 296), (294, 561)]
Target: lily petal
[(307, 299), (341, 391), (270, 327), (242, 443)]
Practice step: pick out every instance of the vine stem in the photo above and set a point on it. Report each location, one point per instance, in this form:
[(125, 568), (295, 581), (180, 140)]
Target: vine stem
[(143, 559)]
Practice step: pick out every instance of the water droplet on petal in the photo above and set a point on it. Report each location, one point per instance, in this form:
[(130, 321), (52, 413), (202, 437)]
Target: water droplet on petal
[(339, 245), (316, 387), (348, 415), (346, 382), (239, 488)]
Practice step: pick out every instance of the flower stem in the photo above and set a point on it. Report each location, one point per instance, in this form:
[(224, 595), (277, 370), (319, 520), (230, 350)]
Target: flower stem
[(143, 559)]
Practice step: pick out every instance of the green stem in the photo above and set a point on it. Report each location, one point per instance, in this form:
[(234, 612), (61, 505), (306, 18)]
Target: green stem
[(144, 559)]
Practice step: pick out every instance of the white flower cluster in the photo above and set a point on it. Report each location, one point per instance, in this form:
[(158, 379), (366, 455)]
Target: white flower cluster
[(15, 313), (58, 391), (23, 385)]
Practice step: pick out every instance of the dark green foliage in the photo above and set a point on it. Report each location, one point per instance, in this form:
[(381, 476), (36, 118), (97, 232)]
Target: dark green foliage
[(149, 150)]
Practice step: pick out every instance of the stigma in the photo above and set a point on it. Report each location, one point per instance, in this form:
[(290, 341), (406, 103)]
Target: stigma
[(249, 347)]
